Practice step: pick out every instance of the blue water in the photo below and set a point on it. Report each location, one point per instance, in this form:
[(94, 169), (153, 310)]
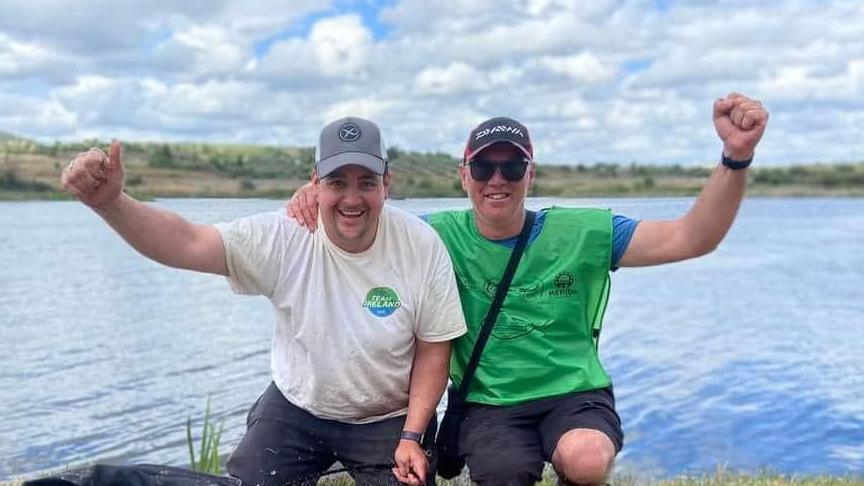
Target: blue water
[(748, 358)]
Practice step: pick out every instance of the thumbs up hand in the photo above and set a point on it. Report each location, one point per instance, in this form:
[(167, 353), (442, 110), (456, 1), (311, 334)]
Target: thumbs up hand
[(94, 178)]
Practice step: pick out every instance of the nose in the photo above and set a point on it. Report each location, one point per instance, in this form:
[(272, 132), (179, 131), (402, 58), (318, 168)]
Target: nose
[(351, 196), (497, 179)]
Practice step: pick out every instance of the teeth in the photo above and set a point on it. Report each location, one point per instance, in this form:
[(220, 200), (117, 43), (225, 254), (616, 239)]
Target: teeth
[(350, 213), (496, 196)]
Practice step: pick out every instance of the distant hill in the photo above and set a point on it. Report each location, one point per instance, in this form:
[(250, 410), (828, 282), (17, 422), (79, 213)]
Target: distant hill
[(10, 141), (31, 170), (5, 136)]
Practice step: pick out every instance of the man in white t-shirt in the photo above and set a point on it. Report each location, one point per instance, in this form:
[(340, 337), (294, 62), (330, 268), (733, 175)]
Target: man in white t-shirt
[(365, 311)]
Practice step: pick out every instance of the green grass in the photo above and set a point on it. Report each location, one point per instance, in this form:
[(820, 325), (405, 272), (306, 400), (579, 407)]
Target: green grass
[(725, 478), (720, 477), (208, 461)]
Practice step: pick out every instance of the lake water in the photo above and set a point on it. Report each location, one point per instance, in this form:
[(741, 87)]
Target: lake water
[(751, 357)]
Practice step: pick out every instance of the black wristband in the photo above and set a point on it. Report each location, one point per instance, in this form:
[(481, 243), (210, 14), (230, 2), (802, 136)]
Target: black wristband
[(736, 164), (408, 435)]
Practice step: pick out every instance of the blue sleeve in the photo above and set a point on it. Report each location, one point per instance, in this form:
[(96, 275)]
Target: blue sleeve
[(622, 230)]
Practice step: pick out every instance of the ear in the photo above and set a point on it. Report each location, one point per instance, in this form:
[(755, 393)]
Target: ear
[(463, 176), (387, 180), (531, 173), (315, 180)]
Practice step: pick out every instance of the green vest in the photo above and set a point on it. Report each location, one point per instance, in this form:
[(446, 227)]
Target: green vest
[(544, 343)]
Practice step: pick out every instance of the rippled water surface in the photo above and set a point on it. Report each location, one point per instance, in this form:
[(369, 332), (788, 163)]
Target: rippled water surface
[(751, 357)]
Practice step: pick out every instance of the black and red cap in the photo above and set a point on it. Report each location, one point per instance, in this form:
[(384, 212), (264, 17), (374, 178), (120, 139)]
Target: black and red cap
[(498, 129)]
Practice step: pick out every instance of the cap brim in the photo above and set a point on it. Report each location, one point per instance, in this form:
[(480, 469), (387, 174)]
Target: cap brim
[(328, 165), (484, 147)]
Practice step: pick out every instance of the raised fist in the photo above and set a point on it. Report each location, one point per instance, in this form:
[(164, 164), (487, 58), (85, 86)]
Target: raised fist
[(94, 178), (740, 123)]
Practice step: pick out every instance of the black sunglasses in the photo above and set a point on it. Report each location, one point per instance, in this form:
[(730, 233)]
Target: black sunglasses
[(512, 170)]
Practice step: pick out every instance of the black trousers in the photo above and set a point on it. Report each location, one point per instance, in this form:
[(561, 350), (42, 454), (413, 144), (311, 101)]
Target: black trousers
[(507, 445), (286, 445)]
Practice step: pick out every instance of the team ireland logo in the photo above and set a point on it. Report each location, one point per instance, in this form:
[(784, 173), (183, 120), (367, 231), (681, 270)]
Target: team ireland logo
[(382, 301)]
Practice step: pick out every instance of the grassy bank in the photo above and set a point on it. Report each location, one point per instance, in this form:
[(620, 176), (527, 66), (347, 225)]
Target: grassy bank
[(720, 478), (29, 170)]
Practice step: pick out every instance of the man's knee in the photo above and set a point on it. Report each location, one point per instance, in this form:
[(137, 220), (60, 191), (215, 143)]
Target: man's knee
[(252, 467), (584, 457), (266, 457)]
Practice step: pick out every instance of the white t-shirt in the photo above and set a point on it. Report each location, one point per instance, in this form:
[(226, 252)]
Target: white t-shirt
[(346, 323)]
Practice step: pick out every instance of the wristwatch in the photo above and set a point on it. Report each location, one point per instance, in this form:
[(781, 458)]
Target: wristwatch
[(736, 164), (408, 435)]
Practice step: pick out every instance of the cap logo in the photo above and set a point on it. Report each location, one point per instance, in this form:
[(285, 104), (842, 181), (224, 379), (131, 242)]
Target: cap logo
[(349, 132), (498, 128)]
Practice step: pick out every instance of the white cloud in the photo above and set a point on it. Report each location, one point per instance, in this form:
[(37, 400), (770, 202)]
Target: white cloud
[(290, 60), (20, 58), (92, 98), (369, 108), (584, 67), (100, 26), (802, 83), (25, 115), (206, 50), (212, 98), (337, 48), (261, 18), (341, 45), (593, 80), (458, 77)]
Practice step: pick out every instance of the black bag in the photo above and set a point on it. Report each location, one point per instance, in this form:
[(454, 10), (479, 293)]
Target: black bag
[(450, 463), (135, 475)]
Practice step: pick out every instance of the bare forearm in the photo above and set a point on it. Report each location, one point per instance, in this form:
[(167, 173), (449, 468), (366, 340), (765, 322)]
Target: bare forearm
[(694, 234), (712, 214), (164, 236), (428, 381)]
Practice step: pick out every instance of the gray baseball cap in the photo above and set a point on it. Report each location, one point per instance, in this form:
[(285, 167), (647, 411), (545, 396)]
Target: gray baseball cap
[(350, 141)]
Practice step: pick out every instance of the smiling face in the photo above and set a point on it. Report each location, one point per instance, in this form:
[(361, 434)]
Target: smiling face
[(499, 205), (350, 200)]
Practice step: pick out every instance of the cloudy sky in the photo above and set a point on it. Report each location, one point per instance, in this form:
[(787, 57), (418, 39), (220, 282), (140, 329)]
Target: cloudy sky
[(598, 80)]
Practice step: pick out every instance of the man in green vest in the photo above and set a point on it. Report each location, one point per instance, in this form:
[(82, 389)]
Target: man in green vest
[(540, 393)]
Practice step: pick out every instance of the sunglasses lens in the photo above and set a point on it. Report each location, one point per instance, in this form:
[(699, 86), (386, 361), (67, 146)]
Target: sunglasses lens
[(481, 170), (513, 170)]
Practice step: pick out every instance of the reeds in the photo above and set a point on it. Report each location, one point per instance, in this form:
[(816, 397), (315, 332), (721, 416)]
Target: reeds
[(208, 454)]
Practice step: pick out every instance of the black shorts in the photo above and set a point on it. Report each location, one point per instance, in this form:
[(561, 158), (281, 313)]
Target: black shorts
[(286, 445), (514, 441)]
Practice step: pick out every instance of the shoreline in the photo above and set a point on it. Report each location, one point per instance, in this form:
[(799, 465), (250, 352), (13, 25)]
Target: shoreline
[(752, 193), (720, 477)]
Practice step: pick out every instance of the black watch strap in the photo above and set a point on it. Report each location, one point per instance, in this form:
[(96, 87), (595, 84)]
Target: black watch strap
[(408, 435), (735, 164)]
